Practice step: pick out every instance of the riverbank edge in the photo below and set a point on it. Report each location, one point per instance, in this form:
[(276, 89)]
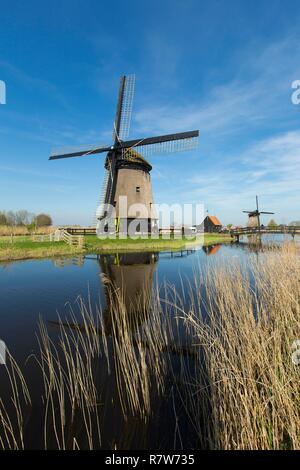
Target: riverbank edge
[(109, 246)]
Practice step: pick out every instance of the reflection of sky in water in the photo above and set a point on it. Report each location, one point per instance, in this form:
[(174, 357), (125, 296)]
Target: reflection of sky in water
[(44, 287), (34, 288)]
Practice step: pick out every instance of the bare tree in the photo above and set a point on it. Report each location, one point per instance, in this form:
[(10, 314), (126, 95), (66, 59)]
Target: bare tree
[(11, 218), (11, 222), (23, 217), (3, 220)]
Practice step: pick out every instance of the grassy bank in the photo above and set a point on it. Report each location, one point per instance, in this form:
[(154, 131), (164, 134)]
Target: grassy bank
[(23, 247), (27, 249), (139, 244), (235, 374)]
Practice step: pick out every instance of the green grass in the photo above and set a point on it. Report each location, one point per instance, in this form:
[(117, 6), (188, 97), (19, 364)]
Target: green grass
[(24, 248), (28, 249), (6, 239), (93, 243)]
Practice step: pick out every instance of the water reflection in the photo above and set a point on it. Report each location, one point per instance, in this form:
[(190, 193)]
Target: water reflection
[(74, 261), (211, 249), (127, 277), (130, 273)]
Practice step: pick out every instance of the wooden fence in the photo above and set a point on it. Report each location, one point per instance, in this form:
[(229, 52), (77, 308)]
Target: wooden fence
[(281, 229), (49, 237), (74, 240), (60, 235), (80, 230)]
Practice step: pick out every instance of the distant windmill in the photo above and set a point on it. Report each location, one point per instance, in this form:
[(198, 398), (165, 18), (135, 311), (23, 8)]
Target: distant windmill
[(127, 171), (254, 216)]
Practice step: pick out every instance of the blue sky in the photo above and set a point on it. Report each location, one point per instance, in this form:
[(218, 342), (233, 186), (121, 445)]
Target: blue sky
[(224, 67)]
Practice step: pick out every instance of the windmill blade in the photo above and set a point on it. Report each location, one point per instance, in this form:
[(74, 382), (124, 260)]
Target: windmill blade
[(111, 169), (168, 147), (117, 122), (99, 213), (267, 213), (82, 151), (170, 143), (124, 108), (160, 139), (107, 190)]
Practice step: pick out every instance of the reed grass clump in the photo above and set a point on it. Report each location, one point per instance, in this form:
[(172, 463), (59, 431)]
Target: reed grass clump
[(13, 406), (249, 383)]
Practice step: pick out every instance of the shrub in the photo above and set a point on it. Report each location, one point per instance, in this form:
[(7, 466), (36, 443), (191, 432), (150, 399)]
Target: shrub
[(43, 220)]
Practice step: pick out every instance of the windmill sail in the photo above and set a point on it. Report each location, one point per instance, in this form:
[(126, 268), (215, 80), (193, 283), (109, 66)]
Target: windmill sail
[(127, 107), (169, 143), (172, 146), (101, 203), (78, 151), (124, 108), (106, 195)]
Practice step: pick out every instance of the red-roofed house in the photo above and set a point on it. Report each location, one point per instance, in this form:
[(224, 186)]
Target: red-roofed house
[(211, 224)]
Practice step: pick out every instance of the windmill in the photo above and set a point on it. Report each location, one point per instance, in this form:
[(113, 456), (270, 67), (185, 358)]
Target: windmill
[(127, 172), (254, 216)]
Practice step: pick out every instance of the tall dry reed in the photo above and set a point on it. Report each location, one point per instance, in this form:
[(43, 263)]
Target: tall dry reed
[(6, 230), (247, 378)]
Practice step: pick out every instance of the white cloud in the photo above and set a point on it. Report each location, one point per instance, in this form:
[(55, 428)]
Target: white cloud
[(34, 84), (258, 96), (249, 136), (269, 168)]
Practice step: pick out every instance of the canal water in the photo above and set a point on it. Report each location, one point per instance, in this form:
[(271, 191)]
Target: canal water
[(49, 289)]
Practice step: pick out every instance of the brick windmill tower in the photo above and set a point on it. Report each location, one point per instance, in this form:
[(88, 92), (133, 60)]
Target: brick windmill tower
[(127, 172)]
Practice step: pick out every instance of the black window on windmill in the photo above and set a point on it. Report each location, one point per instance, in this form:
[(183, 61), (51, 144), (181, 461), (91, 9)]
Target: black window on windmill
[(127, 171)]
